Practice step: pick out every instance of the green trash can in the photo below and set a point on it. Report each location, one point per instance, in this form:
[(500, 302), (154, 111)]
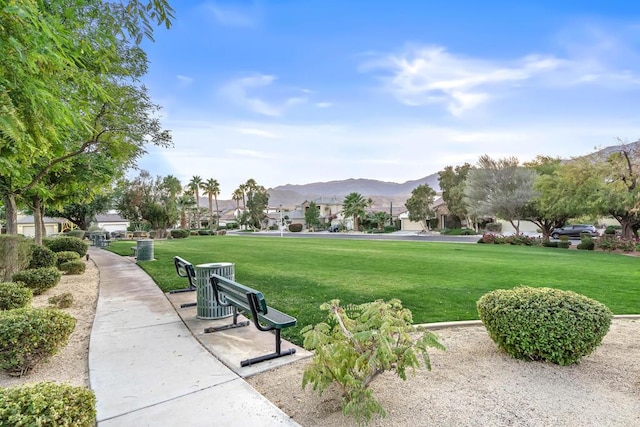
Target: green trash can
[(205, 300), (145, 250)]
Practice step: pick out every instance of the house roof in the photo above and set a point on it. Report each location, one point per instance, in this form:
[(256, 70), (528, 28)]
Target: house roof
[(110, 217), (28, 219)]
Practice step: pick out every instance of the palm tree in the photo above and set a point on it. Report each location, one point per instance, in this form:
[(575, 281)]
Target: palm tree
[(354, 205), (194, 186), (237, 196), (212, 189), (185, 202)]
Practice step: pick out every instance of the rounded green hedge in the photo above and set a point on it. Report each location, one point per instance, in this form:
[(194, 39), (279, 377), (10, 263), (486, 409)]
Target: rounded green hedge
[(42, 257), (66, 256), (47, 404), (68, 243), (38, 279), (14, 295), (73, 267), (543, 323), (30, 335)]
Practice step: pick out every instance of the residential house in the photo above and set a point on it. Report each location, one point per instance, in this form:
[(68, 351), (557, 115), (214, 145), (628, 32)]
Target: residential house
[(52, 226), (111, 222)]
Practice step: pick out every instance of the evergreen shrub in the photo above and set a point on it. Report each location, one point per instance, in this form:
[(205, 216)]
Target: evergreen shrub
[(295, 228), (586, 243), (15, 254), (47, 404), (179, 233), (68, 243), (544, 324), (14, 295), (66, 256), (42, 257), (29, 336), (80, 234), (38, 279), (73, 267)]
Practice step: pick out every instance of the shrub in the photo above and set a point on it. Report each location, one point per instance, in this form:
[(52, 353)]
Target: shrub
[(543, 323), (14, 295), (356, 344), (80, 234), (29, 336), (548, 244), (38, 279), (612, 229), (66, 256), (586, 243), (221, 232), (295, 228), (458, 232), (42, 257), (68, 243), (494, 227), (179, 233), (206, 232), (73, 267), (564, 242), (15, 252), (47, 404), (64, 300)]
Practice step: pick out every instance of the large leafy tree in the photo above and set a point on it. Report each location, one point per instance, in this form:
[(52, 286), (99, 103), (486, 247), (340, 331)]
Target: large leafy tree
[(500, 188), (257, 203), (354, 205), (419, 204), (452, 182), (148, 201), (312, 215), (605, 184), (64, 66), (547, 209)]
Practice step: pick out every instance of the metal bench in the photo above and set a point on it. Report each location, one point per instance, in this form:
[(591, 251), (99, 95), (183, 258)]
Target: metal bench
[(185, 269), (253, 305)]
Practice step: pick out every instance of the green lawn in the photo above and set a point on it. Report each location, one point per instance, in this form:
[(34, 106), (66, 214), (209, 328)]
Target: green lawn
[(436, 281)]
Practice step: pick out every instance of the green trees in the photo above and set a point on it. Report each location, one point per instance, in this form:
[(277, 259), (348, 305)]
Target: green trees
[(257, 202), (312, 215), (499, 188), (354, 206), (144, 200), (69, 87), (452, 182), (194, 187), (419, 204)]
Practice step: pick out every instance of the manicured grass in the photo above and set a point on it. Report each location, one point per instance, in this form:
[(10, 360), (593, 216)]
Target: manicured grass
[(436, 281)]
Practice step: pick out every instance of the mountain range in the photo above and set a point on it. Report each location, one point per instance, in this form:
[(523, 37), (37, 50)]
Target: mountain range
[(383, 193)]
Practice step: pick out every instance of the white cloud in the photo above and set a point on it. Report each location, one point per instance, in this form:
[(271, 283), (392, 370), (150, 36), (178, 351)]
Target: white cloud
[(324, 104), (432, 75), (426, 75), (233, 16), (242, 92), (184, 81), (258, 132)]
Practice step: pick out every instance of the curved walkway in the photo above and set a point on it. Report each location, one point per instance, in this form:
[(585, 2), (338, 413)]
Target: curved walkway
[(147, 369)]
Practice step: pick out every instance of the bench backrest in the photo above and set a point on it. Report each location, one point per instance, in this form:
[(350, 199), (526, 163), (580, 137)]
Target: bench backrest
[(185, 269), (237, 294)]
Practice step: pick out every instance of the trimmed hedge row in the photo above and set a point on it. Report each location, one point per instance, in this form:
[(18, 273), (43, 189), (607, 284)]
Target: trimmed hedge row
[(47, 404), (38, 279), (29, 336), (14, 295)]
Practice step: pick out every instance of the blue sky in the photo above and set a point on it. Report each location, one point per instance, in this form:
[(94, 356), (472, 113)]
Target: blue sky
[(294, 92)]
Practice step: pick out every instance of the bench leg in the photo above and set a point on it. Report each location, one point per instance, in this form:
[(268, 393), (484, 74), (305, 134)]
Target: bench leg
[(278, 353), (188, 304), (179, 291), (235, 324)]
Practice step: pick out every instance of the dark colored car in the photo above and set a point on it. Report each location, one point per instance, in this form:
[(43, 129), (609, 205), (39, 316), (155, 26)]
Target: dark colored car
[(334, 228), (575, 231)]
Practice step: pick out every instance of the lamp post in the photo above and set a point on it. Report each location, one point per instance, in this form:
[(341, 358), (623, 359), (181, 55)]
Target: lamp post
[(281, 224)]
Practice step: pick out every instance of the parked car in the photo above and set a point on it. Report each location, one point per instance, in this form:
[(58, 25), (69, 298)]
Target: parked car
[(575, 231), (334, 228)]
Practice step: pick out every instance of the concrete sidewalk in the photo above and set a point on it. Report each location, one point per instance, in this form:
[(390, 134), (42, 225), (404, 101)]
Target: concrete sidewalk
[(147, 369)]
